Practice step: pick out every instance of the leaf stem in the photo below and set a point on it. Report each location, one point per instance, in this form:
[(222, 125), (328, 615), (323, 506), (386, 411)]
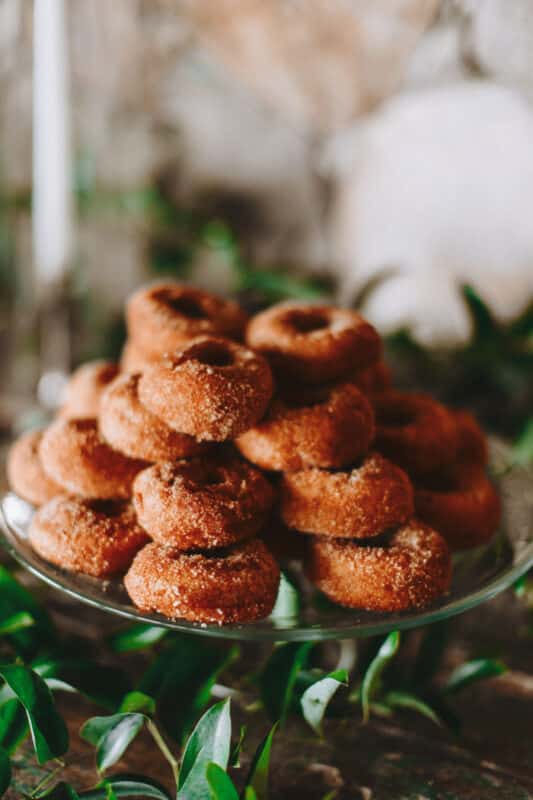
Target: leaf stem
[(160, 742), (48, 778)]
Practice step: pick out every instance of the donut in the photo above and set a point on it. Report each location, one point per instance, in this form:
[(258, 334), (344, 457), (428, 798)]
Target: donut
[(313, 343), (134, 359), (329, 426), (130, 428), (284, 544), (25, 473), (465, 508), (212, 389), (76, 457), (236, 585), (367, 501), (472, 448), (410, 570), (164, 316), (415, 431), (84, 389), (201, 503), (95, 537), (374, 379)]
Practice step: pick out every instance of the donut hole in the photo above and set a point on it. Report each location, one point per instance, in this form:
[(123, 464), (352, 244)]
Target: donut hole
[(183, 304), (213, 477), (308, 397), (308, 320), (212, 354), (110, 508)]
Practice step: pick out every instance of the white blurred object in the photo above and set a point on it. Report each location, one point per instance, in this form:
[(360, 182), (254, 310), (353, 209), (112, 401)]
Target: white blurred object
[(433, 192)]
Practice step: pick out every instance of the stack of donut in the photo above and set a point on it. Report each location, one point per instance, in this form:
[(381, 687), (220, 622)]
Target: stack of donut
[(155, 469)]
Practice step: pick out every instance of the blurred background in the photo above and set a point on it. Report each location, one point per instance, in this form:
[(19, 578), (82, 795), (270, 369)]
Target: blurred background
[(380, 154)]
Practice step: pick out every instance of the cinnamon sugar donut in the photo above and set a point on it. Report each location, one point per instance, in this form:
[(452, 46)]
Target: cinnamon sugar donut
[(95, 537), (472, 447), (212, 389), (134, 359), (165, 316), (415, 431), (465, 508), (130, 428), (374, 379), (84, 389), (362, 503), (312, 343), (202, 503), (409, 570), (328, 426), (236, 585), (76, 457), (25, 472)]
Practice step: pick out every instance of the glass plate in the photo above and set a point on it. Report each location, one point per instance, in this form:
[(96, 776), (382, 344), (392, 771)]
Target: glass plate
[(302, 612)]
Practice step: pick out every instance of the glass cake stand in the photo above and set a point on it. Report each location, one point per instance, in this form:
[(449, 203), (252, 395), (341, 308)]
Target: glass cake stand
[(302, 613)]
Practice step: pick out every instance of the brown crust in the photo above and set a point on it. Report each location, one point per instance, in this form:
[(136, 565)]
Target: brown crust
[(374, 379), (166, 315), (77, 458), (25, 472), (129, 427), (237, 585), (212, 389), (85, 387), (473, 448), (134, 359), (360, 504), (411, 570), (415, 431), (95, 537), (203, 503), (319, 427), (312, 343), (465, 509)]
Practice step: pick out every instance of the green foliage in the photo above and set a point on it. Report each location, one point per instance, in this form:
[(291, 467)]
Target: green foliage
[(137, 637), (257, 778), (473, 671), (209, 742), (111, 736), (371, 680), (278, 678), (221, 786), (316, 698)]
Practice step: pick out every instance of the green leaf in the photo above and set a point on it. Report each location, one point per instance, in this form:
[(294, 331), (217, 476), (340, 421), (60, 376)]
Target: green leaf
[(180, 680), (5, 771), (523, 448), (287, 604), (13, 725), (430, 653), (209, 741), (249, 793), (235, 757), (105, 685), (372, 677), (279, 676), (48, 730), (126, 785), (258, 775), (61, 791), (138, 701), (16, 622), (111, 736), (220, 784), (14, 598), (316, 698), (472, 671), (410, 701), (137, 637)]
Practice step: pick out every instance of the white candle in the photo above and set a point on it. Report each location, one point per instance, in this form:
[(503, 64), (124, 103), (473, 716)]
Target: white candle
[(52, 169)]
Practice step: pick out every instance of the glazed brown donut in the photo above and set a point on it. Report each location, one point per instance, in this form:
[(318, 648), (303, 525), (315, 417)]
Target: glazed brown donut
[(165, 316), (465, 508), (212, 389), (84, 389), (362, 503), (76, 457), (239, 584), (374, 379), (415, 431), (313, 344), (472, 447), (328, 426), (25, 472), (95, 537), (130, 428), (202, 503), (410, 570), (134, 359)]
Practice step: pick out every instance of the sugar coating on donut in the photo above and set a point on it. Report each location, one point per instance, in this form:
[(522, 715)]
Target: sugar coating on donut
[(95, 537), (131, 428), (312, 343), (410, 570), (166, 315), (25, 472), (203, 503), (84, 389), (222, 587), (364, 502), (76, 457), (415, 431), (328, 427), (134, 359), (212, 389)]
